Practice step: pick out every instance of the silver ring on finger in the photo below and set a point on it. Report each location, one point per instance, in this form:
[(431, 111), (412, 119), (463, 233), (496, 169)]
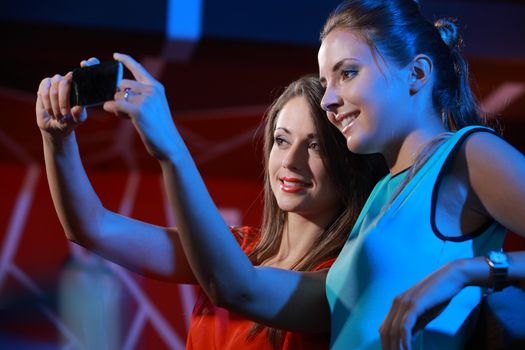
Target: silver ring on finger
[(126, 94)]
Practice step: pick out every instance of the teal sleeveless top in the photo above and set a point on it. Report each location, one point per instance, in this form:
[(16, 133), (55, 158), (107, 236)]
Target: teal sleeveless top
[(393, 246)]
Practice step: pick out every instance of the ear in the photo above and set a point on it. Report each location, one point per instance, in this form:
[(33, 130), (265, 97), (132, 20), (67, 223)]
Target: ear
[(420, 72)]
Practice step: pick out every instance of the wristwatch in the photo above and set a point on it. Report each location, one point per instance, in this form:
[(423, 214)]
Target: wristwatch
[(499, 269)]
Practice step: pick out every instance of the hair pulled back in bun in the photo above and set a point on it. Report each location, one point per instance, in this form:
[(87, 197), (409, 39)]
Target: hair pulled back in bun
[(398, 30), (449, 32)]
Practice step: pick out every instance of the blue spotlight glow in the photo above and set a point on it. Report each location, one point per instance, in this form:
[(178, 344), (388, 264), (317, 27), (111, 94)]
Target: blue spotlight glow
[(184, 19)]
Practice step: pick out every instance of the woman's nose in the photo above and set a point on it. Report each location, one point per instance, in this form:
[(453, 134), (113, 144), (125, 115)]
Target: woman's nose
[(295, 157), (330, 100)]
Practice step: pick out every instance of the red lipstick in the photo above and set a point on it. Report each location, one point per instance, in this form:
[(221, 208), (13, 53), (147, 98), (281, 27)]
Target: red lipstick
[(293, 185)]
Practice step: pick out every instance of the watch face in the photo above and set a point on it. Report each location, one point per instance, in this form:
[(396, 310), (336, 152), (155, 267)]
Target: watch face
[(498, 257)]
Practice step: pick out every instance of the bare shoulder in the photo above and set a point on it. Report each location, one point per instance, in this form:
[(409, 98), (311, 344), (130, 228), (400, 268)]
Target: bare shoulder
[(495, 171), (488, 154), (486, 141)]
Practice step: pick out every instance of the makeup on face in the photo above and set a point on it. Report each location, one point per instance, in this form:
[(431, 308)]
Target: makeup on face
[(298, 177)]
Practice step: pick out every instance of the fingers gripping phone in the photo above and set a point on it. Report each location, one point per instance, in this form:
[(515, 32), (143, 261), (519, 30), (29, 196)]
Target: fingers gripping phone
[(94, 85)]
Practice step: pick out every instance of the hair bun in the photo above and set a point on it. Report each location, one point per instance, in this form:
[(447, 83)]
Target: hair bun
[(448, 29)]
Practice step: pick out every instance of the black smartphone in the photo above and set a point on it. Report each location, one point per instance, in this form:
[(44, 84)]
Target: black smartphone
[(94, 85)]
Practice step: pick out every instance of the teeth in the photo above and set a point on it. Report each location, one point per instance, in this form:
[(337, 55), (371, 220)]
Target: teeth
[(288, 183), (348, 119)]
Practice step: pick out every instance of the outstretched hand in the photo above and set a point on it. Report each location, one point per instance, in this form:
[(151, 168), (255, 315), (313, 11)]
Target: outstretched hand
[(143, 101), (54, 114), (412, 310)]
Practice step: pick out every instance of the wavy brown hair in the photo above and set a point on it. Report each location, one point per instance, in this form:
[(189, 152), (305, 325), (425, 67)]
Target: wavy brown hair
[(353, 175)]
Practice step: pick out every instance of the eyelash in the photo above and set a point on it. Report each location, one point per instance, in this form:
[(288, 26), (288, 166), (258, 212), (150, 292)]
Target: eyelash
[(278, 140), (315, 146), (349, 73)]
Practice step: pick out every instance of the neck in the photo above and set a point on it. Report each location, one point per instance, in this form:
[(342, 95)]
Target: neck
[(403, 153), (299, 234)]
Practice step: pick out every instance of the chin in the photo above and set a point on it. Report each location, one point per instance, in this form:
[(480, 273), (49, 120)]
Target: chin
[(360, 145), (290, 206), (354, 146)]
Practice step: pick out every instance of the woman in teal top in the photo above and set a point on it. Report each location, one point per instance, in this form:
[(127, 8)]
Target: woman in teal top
[(397, 84), (392, 247)]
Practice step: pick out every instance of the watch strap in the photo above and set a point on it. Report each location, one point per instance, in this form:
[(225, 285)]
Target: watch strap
[(499, 269)]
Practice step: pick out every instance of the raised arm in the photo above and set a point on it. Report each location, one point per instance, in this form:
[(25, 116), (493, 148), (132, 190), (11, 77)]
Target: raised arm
[(276, 297), (279, 298), (147, 249)]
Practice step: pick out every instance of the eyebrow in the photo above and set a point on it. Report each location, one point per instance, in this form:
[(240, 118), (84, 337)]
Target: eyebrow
[(341, 62), (283, 129), (337, 66), (309, 136)]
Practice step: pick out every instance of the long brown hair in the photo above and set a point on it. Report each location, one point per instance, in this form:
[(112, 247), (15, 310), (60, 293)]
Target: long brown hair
[(353, 175)]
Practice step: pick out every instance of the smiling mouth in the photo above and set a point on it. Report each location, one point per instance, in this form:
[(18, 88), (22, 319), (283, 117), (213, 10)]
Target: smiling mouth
[(346, 120), (292, 185)]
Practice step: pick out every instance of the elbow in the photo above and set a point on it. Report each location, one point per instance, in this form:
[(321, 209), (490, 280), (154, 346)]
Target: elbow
[(80, 237), (74, 233), (228, 296), (71, 236), (84, 231)]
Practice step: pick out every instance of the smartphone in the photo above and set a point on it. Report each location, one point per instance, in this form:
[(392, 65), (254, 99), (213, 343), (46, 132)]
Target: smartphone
[(94, 85)]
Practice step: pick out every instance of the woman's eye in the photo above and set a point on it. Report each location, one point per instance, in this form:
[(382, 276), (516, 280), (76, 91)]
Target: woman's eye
[(278, 140), (349, 73), (315, 146)]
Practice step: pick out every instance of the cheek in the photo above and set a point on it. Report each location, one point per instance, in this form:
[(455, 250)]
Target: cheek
[(366, 92), (320, 173), (329, 194), (274, 164), (374, 104), (272, 161)]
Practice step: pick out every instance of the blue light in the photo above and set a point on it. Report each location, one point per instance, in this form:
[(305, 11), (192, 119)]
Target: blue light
[(184, 19)]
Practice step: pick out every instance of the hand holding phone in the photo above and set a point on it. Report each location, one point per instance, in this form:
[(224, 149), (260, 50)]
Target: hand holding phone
[(96, 84)]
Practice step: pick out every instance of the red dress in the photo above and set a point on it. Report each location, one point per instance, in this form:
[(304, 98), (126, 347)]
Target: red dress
[(212, 327)]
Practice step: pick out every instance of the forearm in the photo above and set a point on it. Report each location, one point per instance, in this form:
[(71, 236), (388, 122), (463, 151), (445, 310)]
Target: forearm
[(221, 267), (147, 249), (76, 203), (279, 298), (476, 271)]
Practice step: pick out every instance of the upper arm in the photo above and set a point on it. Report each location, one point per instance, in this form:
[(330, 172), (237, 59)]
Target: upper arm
[(497, 177), (147, 249)]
